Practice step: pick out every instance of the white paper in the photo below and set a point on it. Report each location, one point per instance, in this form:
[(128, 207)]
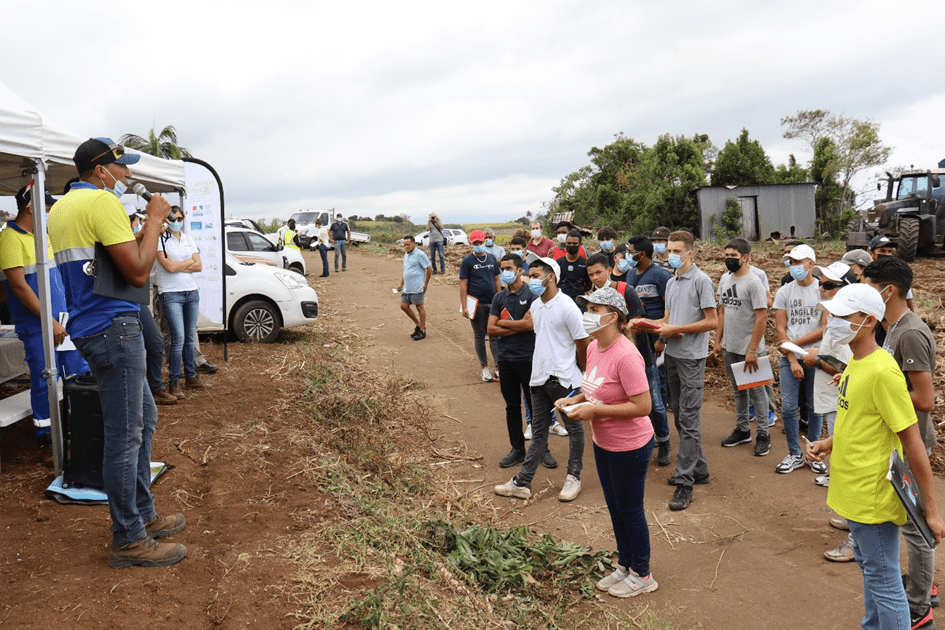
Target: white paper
[(66, 344), (793, 347), (471, 305), (570, 408), (761, 375)]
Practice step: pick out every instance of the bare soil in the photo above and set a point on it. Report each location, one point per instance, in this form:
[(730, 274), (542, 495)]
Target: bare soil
[(746, 554)]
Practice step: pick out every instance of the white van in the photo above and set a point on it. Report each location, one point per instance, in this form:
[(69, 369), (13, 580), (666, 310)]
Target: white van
[(262, 299)]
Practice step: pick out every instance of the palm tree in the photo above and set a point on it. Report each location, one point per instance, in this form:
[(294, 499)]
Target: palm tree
[(162, 145)]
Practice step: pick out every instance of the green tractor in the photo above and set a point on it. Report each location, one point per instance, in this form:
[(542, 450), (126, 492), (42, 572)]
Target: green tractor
[(914, 216)]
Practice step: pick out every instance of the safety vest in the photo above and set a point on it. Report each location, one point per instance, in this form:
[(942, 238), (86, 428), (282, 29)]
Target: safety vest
[(288, 239)]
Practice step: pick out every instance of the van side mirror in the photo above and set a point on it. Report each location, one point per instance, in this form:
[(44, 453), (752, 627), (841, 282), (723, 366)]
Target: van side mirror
[(936, 182)]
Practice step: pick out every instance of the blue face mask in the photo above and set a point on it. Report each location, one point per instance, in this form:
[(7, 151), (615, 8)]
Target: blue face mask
[(536, 286), (136, 229), (607, 245), (798, 272), (119, 188), (175, 226), (659, 248), (507, 277), (479, 249), (675, 261), (626, 264), (520, 253), (489, 242)]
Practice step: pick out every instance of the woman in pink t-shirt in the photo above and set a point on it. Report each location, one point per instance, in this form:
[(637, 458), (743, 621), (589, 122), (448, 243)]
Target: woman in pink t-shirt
[(617, 402)]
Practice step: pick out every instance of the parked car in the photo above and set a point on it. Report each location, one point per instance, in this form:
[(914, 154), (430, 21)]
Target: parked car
[(262, 299), (251, 246), (453, 237), (246, 223)]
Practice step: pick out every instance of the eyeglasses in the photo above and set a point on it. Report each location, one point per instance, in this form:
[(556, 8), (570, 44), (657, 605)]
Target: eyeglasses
[(830, 286), (115, 149)]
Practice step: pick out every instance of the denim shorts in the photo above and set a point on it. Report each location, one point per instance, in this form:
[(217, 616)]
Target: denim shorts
[(411, 298)]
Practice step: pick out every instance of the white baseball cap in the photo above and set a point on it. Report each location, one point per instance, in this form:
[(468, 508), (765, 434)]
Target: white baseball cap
[(800, 252), (855, 298), (531, 258), (835, 272)]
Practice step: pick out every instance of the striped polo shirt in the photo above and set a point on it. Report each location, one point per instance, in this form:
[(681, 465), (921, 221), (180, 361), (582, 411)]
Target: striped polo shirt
[(18, 249), (84, 217)]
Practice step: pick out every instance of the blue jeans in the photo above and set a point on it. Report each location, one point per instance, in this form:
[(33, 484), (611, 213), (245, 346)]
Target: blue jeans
[(658, 417), (791, 390), (623, 479), (116, 356), (323, 252), (341, 247), (434, 248), (154, 347), (876, 548), (180, 309), (68, 363)]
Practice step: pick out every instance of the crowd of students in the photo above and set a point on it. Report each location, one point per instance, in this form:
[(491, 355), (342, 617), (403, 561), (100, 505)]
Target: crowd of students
[(619, 336)]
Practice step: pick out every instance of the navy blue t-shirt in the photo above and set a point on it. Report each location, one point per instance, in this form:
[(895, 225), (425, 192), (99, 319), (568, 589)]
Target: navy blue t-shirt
[(574, 277), (651, 287), (480, 273), (520, 346), (636, 309)]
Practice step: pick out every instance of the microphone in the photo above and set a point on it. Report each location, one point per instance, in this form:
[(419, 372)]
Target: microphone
[(139, 189)]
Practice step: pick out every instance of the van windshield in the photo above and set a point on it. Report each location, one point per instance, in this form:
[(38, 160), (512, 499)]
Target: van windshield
[(305, 218)]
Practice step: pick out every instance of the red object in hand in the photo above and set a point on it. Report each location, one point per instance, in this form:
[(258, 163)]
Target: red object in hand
[(645, 325)]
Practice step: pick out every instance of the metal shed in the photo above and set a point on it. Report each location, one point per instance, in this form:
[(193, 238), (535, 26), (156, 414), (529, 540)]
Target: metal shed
[(781, 210)]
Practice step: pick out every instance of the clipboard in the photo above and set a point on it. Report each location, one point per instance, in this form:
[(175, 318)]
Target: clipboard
[(908, 495), (110, 283), (759, 378), (833, 362), (471, 305)]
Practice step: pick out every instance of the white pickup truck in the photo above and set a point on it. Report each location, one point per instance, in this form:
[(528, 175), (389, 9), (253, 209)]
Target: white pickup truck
[(305, 226)]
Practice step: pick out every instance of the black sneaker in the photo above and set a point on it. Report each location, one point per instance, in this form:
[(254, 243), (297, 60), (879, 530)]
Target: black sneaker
[(698, 480), (737, 437), (548, 460), (681, 498), (922, 619), (762, 445), (416, 331), (420, 335), (207, 368), (514, 458), (663, 453)]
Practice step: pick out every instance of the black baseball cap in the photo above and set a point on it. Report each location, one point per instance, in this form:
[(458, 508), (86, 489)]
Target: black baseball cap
[(95, 151), (882, 241), (25, 195)]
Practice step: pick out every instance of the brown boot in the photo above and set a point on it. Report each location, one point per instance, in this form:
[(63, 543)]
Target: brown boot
[(196, 383), (163, 398), (164, 526), (146, 552), (173, 388)]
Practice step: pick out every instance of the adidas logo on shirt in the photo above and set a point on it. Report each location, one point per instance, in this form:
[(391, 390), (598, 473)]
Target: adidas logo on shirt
[(730, 297)]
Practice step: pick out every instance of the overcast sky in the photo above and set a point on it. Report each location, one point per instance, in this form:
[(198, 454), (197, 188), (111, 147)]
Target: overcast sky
[(474, 110)]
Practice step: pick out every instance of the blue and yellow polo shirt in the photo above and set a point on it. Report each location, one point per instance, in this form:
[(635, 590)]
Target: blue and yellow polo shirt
[(18, 249), (84, 217)]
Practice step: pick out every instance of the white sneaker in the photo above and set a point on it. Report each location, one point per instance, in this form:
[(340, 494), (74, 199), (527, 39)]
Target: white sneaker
[(789, 464), (633, 585), (486, 375), (510, 489), (617, 576), (572, 488), (528, 432), (818, 467), (823, 480), (558, 429)]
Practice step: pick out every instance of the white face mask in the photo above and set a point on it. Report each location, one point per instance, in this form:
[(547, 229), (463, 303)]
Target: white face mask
[(536, 233), (841, 330), (591, 322), (562, 238)]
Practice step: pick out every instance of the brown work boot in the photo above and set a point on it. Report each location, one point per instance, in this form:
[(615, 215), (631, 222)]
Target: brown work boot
[(164, 526), (196, 383), (146, 552), (173, 388), (163, 398)]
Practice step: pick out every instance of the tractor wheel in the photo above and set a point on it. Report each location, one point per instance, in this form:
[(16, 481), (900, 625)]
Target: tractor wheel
[(908, 238), (853, 226)]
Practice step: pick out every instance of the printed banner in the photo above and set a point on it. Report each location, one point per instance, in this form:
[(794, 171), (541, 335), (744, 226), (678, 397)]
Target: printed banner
[(203, 210)]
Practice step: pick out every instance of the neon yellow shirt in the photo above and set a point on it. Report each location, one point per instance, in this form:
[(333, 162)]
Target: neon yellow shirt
[(873, 406)]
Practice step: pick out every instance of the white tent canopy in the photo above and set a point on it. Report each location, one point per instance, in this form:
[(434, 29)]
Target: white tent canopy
[(27, 137)]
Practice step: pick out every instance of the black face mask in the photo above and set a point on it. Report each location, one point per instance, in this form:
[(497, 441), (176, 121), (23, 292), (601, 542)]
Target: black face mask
[(573, 249), (733, 264)]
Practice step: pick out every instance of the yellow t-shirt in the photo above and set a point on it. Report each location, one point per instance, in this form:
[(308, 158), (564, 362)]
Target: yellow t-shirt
[(873, 406)]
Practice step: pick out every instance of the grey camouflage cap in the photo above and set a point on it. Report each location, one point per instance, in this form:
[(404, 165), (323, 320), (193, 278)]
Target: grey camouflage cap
[(607, 297)]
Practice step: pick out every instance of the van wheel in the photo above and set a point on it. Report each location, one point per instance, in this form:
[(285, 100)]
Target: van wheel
[(297, 268), (256, 321)]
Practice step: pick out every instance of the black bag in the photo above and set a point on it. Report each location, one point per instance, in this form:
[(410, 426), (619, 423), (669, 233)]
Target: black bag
[(109, 282), (85, 429)]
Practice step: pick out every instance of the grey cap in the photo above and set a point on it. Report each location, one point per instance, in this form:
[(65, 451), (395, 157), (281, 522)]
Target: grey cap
[(859, 257), (607, 297)]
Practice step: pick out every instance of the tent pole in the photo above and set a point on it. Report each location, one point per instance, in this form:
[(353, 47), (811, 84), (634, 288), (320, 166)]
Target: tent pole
[(51, 372)]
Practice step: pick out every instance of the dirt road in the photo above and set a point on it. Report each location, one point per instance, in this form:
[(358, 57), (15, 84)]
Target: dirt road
[(746, 554)]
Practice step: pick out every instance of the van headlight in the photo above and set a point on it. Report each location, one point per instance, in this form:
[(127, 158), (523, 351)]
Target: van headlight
[(291, 280)]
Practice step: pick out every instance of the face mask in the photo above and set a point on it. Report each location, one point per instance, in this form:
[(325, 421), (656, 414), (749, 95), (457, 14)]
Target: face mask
[(798, 272), (562, 238), (507, 277), (625, 264), (518, 252), (659, 248), (489, 242), (175, 226), (479, 249), (119, 188), (136, 229), (573, 249), (607, 245), (733, 264), (536, 286), (842, 331), (591, 322), (675, 261), (536, 233)]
